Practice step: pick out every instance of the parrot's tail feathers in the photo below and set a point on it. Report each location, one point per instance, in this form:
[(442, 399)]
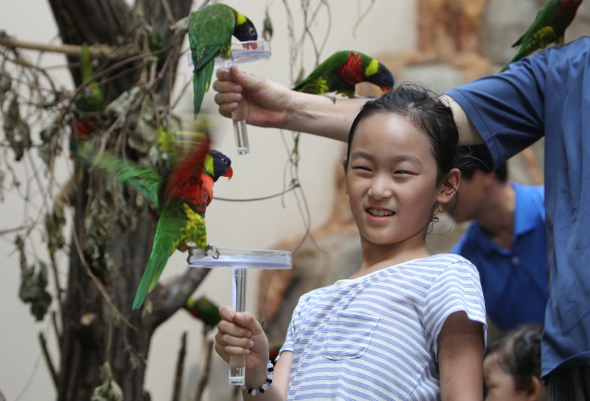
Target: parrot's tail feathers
[(152, 273), (201, 82)]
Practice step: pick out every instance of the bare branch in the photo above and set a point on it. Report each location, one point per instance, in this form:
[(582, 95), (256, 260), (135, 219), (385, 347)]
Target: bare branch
[(179, 368), (168, 298), (96, 50), (50, 365)]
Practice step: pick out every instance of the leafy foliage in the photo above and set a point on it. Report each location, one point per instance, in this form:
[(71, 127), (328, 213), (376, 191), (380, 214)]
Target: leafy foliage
[(33, 284)]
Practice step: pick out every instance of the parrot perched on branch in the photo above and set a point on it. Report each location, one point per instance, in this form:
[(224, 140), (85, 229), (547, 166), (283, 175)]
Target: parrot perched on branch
[(342, 71), (181, 194), (91, 98), (209, 34), (203, 309), (549, 27), (88, 103)]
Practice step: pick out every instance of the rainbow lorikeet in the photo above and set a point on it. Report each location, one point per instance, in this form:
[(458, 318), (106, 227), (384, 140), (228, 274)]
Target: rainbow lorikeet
[(209, 34), (549, 27), (182, 194), (203, 309), (342, 71), (88, 103)]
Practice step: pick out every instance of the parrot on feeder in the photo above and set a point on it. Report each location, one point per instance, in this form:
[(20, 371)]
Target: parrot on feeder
[(203, 309), (549, 27), (342, 71), (209, 33), (181, 194)]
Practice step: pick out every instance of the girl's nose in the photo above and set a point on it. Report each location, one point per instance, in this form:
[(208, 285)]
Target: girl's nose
[(380, 188)]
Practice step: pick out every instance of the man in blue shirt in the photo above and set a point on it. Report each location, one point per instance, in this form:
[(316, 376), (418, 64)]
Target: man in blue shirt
[(544, 95), (548, 94), (506, 242)]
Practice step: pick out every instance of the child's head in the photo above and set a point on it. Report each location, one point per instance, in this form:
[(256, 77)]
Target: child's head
[(402, 154), (427, 113), (512, 366)]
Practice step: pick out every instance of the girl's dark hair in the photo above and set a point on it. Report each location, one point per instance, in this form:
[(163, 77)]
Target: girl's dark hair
[(519, 353), (428, 113)]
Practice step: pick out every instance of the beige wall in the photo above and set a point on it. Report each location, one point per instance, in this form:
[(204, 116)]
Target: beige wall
[(389, 26)]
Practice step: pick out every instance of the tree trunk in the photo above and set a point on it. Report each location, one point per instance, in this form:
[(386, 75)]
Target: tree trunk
[(98, 323)]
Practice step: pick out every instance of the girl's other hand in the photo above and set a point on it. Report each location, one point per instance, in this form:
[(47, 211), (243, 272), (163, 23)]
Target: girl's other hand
[(239, 333)]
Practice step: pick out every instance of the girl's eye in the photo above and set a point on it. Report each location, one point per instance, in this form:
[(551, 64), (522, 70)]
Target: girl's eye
[(402, 172), (361, 168)]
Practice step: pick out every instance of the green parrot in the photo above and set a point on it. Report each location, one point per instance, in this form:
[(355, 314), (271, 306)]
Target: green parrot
[(549, 27), (181, 194), (88, 102), (209, 33), (91, 98), (203, 309), (342, 71)]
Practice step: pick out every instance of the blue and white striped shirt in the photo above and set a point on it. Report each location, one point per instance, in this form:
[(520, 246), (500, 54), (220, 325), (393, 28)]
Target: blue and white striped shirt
[(375, 337)]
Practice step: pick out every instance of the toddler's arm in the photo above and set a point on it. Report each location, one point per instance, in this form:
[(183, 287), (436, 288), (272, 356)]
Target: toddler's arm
[(239, 333), (460, 358)]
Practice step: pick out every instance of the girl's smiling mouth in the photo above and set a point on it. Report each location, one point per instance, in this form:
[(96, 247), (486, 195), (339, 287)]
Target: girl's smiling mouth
[(379, 212)]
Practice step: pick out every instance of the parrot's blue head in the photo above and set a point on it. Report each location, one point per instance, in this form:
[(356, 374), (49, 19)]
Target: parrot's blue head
[(244, 29), (383, 78), (221, 165)]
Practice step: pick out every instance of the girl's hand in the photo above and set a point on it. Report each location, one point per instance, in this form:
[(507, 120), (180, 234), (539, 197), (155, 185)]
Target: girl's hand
[(239, 333)]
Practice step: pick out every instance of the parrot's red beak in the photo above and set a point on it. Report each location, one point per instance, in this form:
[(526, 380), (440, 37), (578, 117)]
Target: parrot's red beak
[(229, 173), (384, 89)]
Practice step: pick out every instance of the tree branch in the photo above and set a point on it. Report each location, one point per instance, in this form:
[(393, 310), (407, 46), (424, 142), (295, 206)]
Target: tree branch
[(50, 365), (168, 298), (179, 368), (96, 50)]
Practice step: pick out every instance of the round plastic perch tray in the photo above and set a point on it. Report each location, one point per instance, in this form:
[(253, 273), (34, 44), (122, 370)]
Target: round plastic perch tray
[(240, 260), (245, 52), (231, 258)]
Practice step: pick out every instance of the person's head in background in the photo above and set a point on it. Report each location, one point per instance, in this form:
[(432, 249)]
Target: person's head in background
[(512, 366), (477, 189)]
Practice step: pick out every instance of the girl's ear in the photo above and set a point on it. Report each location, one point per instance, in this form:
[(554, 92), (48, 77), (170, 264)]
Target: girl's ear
[(536, 391), (449, 186)]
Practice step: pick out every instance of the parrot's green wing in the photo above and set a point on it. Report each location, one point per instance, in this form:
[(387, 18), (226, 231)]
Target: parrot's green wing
[(178, 224), (143, 179), (209, 33)]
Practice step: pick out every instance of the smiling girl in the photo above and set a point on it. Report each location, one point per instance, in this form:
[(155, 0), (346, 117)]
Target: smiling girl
[(406, 325)]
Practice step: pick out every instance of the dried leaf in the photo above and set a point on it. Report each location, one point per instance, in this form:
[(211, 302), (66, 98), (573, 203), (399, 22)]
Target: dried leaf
[(54, 224), (5, 85), (16, 130), (50, 142), (109, 390), (33, 284), (123, 103)]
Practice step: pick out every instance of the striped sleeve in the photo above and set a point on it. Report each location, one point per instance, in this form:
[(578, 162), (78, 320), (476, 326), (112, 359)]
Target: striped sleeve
[(457, 288)]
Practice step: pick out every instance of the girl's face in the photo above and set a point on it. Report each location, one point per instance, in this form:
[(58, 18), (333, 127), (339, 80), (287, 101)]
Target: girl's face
[(391, 181), (500, 384)]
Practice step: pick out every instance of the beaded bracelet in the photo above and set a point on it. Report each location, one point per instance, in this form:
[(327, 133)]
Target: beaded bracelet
[(264, 387)]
